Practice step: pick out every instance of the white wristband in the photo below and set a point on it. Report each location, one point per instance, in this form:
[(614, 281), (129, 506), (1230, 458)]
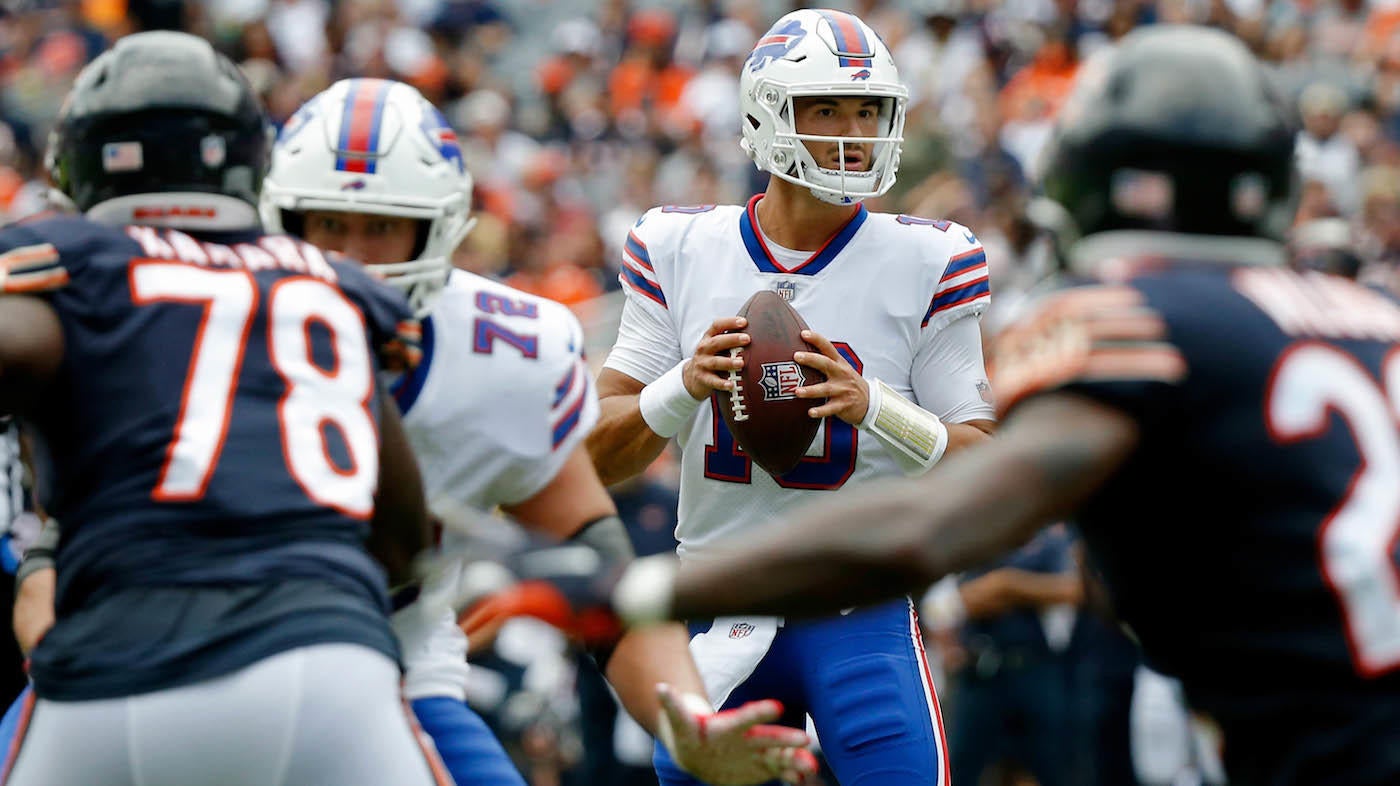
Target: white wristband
[(666, 405), (917, 436), (942, 605), (644, 593)]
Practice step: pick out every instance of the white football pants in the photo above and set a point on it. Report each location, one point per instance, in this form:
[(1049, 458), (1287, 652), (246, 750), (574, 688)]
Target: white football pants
[(324, 715)]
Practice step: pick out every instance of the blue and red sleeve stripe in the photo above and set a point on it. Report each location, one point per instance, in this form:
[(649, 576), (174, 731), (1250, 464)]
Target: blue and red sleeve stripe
[(964, 280)]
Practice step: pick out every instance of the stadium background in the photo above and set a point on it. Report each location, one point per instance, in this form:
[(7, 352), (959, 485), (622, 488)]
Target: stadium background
[(576, 116)]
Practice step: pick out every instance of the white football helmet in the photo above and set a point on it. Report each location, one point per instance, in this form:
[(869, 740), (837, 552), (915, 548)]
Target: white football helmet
[(820, 53), (379, 147)]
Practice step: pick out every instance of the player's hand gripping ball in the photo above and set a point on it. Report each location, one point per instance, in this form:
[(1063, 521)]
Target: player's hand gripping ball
[(763, 411)]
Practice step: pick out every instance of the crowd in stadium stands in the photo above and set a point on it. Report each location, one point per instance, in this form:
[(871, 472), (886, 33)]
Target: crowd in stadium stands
[(575, 116)]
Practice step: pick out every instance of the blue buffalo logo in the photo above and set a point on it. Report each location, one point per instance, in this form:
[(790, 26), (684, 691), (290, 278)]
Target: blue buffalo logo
[(442, 136), (776, 43), (354, 185), (781, 380), (862, 75), (299, 120)]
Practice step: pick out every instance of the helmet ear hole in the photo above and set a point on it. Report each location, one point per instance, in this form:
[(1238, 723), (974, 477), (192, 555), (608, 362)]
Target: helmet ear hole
[(420, 242)]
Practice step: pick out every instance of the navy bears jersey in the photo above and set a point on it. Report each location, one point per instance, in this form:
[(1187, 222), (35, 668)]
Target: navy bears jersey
[(1251, 541), (213, 424)]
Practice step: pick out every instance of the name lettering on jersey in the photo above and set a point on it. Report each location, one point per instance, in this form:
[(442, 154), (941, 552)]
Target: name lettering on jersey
[(273, 252), (1319, 305)]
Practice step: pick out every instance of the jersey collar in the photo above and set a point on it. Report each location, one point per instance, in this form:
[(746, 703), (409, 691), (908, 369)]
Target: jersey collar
[(763, 258)]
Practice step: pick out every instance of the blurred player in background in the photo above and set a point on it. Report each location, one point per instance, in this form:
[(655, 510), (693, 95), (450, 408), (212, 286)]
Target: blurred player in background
[(497, 412), (893, 302), (218, 453), (1191, 401)]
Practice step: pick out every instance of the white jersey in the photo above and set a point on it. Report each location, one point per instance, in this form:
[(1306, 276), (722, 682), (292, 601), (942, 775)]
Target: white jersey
[(501, 397), (898, 296), (499, 401)]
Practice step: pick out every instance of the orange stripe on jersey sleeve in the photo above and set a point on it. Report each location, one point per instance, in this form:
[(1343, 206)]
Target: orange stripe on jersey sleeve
[(26, 258), (40, 281), (1087, 334)]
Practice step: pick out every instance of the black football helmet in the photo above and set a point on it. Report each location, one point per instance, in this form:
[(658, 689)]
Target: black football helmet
[(159, 112), (1177, 129)]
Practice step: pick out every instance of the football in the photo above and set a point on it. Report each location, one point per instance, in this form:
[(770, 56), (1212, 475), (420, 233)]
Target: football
[(768, 420)]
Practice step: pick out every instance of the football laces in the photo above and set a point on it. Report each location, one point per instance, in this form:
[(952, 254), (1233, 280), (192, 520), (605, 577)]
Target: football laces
[(736, 396)]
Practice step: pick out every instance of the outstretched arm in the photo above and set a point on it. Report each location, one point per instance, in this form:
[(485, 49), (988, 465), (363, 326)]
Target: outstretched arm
[(31, 349), (896, 537), (399, 529)]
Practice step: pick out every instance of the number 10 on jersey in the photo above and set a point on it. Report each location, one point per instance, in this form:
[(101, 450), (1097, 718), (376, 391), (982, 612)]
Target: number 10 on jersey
[(726, 461)]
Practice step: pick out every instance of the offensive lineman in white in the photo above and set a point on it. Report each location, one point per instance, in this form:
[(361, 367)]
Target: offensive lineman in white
[(893, 303), (496, 412)]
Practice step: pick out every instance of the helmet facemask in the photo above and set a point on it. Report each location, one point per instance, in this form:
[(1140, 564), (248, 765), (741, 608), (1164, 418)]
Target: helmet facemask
[(838, 186), (800, 58)]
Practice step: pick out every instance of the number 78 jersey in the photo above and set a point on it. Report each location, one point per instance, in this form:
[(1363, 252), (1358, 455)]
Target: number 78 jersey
[(881, 289), (216, 404)]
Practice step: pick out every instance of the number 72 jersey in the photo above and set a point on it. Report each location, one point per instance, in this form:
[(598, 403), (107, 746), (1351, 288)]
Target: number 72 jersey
[(216, 405), (1253, 539)]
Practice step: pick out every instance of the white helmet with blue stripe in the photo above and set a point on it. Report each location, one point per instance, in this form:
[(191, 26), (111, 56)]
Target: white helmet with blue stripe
[(379, 147), (820, 53)]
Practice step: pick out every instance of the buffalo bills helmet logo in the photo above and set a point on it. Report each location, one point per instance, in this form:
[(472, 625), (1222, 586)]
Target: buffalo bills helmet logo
[(781, 380), (862, 75), (299, 120), (776, 43), (442, 136)]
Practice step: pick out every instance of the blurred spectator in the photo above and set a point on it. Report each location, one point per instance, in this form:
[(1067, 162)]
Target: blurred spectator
[(645, 88), (1324, 155), (1012, 701), (1325, 245)]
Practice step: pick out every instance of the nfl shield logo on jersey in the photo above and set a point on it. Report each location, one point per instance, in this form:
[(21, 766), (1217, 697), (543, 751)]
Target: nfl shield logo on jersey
[(781, 380), (740, 630), (787, 290)]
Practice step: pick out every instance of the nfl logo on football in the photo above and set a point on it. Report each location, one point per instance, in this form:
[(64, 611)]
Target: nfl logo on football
[(740, 630), (786, 290), (781, 380)]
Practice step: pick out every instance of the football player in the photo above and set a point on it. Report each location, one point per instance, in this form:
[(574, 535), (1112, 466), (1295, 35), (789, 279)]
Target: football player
[(218, 449), (893, 302), (1222, 428), (496, 412)]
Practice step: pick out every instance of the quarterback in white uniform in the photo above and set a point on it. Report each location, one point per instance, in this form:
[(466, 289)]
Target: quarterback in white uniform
[(893, 304), (496, 412)]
